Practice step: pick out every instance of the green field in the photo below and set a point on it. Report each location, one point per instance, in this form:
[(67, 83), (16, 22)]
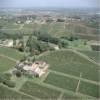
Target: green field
[(89, 89), (68, 62), (39, 91), (72, 97), (6, 64), (11, 53), (8, 94), (94, 55), (62, 81), (57, 29)]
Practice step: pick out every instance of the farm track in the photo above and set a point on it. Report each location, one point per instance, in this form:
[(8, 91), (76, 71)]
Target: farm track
[(8, 58), (77, 89)]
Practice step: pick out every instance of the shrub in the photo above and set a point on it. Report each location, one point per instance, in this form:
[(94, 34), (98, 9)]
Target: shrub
[(9, 83), (7, 76), (5, 79), (18, 73)]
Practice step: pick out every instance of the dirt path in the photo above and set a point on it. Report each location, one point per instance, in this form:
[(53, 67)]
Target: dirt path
[(78, 83)]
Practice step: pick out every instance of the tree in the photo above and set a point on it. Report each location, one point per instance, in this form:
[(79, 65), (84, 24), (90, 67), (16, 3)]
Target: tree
[(21, 46), (63, 43), (18, 73)]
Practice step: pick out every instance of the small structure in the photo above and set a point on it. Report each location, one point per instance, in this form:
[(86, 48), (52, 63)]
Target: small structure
[(28, 21), (7, 43), (55, 47), (38, 68), (95, 45)]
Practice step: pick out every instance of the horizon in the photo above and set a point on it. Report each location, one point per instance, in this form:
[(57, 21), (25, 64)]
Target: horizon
[(49, 4)]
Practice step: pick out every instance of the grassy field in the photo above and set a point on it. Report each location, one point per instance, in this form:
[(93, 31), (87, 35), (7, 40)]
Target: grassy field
[(11, 53), (5, 64), (40, 91), (62, 81), (94, 55), (8, 94), (89, 89), (70, 63)]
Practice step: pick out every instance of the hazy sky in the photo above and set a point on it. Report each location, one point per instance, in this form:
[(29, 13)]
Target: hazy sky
[(49, 3)]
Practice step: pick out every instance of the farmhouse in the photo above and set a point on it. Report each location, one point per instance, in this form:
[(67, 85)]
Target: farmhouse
[(38, 68)]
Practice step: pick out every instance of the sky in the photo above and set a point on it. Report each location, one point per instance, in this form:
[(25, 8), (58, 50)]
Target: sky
[(49, 3)]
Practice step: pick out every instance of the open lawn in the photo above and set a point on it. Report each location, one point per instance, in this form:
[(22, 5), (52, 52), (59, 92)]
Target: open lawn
[(11, 53), (68, 62), (39, 91), (6, 64)]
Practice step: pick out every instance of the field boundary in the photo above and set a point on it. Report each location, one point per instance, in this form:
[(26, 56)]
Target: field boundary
[(75, 77), (77, 88)]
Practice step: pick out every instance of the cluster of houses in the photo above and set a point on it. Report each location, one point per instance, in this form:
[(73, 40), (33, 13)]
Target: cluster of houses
[(37, 68)]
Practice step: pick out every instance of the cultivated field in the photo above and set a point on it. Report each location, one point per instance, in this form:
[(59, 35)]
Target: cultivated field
[(72, 63), (9, 94), (6, 64), (57, 29), (40, 91), (14, 54), (89, 89), (94, 55), (70, 71)]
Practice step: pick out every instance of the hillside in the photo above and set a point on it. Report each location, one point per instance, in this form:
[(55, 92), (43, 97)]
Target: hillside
[(68, 74)]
